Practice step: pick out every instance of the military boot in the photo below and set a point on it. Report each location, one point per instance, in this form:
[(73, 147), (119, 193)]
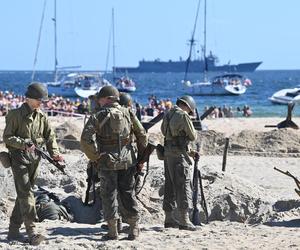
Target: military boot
[(14, 232), (170, 221), (34, 237), (112, 230), (134, 230), (184, 221)]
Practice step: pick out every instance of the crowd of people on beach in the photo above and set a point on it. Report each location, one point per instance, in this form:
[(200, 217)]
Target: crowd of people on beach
[(67, 107)]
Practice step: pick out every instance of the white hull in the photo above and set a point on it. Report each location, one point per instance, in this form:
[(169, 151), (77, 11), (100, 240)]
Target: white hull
[(286, 96), (207, 88), (85, 93), (127, 89), (59, 90)]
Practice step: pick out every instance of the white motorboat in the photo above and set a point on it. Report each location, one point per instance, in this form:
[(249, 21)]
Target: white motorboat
[(286, 96), (125, 84), (227, 84), (90, 85)]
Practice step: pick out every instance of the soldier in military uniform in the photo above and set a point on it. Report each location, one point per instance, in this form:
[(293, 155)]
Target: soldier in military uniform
[(112, 127), (178, 130), (28, 123)]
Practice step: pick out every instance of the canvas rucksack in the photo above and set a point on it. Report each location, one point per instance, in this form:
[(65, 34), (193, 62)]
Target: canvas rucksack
[(113, 138)]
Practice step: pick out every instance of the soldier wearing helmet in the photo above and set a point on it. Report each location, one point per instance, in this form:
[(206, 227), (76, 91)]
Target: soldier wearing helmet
[(28, 123), (106, 139), (178, 130)]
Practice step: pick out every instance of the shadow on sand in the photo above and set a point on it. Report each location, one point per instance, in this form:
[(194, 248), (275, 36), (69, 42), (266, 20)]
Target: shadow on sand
[(290, 223)]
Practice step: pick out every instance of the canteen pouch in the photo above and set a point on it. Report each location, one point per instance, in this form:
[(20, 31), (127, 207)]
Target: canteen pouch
[(115, 160), (5, 159), (160, 151)]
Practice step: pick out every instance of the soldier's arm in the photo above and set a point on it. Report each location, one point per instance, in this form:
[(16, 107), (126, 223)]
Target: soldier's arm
[(87, 141), (49, 136), (9, 134), (139, 132), (189, 128)]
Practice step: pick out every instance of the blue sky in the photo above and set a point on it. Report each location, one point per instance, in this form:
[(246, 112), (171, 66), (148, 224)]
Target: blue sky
[(238, 30)]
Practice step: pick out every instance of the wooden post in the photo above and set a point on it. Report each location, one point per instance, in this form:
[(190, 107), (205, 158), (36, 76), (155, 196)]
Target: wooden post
[(225, 154)]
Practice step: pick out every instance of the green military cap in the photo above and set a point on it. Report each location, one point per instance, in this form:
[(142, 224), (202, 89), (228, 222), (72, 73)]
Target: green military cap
[(108, 91)]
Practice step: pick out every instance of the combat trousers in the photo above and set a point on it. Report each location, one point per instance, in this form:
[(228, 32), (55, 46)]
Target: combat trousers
[(24, 178), (178, 192), (118, 183)]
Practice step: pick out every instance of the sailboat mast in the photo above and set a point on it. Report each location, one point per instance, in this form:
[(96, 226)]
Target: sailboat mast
[(55, 43), (114, 46), (204, 45)]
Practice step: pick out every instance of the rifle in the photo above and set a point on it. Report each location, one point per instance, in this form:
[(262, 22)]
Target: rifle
[(292, 176), (59, 165), (196, 213), (198, 179), (91, 181), (144, 157)]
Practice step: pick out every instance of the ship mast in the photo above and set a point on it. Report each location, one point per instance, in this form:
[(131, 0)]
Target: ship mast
[(55, 43), (114, 46), (204, 45), (38, 42)]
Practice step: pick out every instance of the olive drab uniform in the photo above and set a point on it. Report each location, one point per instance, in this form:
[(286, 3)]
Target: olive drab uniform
[(24, 124), (113, 127), (178, 130)]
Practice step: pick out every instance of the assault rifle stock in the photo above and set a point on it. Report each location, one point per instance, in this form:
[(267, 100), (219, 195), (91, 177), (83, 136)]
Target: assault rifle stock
[(59, 165), (292, 176)]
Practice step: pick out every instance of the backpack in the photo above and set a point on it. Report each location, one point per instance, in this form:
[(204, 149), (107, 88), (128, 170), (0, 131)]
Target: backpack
[(114, 138)]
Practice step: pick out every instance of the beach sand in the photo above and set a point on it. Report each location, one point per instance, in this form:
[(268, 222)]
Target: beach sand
[(251, 206)]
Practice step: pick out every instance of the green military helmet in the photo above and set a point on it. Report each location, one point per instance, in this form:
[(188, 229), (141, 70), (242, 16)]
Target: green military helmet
[(38, 91), (125, 99), (108, 91), (188, 101)]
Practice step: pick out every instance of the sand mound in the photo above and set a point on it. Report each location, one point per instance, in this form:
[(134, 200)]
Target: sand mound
[(68, 135), (280, 142)]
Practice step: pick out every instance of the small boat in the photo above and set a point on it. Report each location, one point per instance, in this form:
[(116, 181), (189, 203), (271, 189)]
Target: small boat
[(125, 84), (90, 85), (286, 96), (227, 84)]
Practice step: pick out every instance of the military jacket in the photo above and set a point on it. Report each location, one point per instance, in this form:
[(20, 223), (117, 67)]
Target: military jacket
[(24, 124), (178, 129)]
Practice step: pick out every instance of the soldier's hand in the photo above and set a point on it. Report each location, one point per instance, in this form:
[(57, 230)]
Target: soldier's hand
[(140, 167), (30, 148), (196, 156), (58, 158)]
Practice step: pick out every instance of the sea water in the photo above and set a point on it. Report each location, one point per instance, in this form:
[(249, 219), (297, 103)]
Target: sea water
[(168, 85)]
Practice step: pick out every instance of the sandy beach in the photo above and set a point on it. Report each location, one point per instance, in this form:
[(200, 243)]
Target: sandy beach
[(251, 206)]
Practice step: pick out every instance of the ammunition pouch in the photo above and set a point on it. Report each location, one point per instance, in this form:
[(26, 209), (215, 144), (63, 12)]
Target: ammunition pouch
[(160, 151), (179, 142), (112, 159), (5, 159)]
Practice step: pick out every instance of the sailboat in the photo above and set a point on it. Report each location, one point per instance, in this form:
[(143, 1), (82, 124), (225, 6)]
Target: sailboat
[(227, 84), (124, 83), (72, 84)]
